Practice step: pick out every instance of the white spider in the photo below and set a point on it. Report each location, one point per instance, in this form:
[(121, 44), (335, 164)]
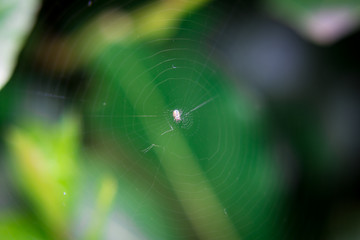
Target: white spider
[(176, 115)]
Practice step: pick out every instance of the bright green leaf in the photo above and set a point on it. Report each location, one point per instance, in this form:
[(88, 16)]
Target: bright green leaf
[(44, 167), (15, 226)]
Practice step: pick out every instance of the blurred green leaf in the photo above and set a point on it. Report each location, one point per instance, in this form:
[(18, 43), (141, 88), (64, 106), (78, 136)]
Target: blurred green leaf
[(193, 192), (15, 226), (157, 19), (135, 81), (44, 166), (16, 20)]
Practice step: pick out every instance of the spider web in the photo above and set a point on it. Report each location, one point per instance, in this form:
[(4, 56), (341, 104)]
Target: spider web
[(131, 121)]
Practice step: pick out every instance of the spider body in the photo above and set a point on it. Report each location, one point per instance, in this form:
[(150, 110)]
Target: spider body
[(177, 115)]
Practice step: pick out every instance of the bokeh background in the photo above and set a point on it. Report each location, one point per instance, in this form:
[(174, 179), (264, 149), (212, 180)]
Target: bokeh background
[(268, 142)]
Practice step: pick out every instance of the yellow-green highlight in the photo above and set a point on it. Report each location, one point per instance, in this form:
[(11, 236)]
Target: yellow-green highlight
[(105, 199), (34, 175), (43, 160)]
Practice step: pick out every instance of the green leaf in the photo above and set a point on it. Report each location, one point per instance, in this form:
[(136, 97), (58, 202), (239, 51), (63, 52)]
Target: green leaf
[(44, 167), (15, 226)]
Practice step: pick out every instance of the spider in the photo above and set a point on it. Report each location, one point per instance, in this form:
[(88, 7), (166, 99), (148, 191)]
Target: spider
[(177, 115)]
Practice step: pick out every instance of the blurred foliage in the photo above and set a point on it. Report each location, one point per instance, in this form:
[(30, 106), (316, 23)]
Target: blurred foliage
[(117, 166), (44, 168), (323, 22), (15, 226), (16, 20)]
